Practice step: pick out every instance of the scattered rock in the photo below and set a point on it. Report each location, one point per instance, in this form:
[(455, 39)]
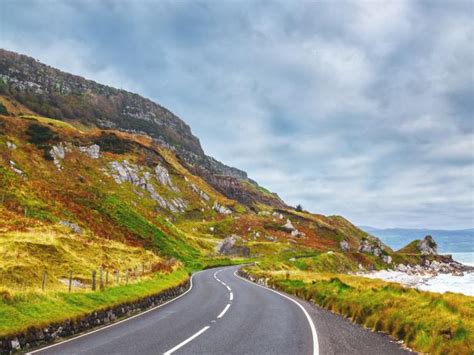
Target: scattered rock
[(344, 246), (402, 268), (202, 195), (127, 172), (371, 245), (11, 145), (276, 214), (58, 152), (229, 246), (288, 226), (435, 265), (72, 226), (428, 246), (93, 151), (16, 169), (163, 176), (221, 209), (15, 344)]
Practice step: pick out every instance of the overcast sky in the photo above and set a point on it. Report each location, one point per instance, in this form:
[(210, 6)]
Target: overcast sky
[(362, 109)]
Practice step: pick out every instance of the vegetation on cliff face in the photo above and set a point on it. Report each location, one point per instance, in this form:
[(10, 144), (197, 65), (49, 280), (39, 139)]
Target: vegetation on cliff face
[(78, 199), (52, 93), (81, 190)]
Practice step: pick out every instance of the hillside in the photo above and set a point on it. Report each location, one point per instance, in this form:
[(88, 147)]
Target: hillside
[(83, 176), (53, 93), (87, 203), (107, 198), (91, 185)]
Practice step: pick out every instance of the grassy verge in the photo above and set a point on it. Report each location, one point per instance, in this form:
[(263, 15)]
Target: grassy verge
[(21, 311), (210, 263), (425, 321)]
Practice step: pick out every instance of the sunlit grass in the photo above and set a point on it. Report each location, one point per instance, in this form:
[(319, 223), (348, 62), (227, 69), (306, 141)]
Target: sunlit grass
[(425, 321), (23, 310)]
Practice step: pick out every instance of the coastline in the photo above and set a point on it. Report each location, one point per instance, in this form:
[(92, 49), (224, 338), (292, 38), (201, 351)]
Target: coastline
[(440, 283)]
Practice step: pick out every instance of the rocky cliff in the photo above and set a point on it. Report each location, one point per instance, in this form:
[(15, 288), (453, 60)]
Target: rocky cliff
[(53, 93)]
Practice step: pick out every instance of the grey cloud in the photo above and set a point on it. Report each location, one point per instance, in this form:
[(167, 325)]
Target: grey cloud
[(363, 108)]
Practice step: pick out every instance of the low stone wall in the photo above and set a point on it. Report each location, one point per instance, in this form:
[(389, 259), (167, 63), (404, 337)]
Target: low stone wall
[(35, 337), (261, 281)]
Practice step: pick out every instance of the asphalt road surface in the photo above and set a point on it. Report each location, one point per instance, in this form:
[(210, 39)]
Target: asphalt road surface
[(225, 314)]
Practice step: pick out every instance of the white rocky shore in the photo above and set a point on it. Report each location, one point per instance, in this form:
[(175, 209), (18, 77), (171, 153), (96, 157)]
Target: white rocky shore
[(437, 273), (441, 282), (434, 276)]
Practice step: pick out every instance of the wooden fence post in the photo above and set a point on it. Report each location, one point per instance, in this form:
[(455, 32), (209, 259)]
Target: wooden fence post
[(45, 277), (70, 281), (117, 277), (107, 278), (143, 268), (93, 280), (101, 278)]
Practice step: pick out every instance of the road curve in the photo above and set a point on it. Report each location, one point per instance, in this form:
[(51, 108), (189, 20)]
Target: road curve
[(225, 314)]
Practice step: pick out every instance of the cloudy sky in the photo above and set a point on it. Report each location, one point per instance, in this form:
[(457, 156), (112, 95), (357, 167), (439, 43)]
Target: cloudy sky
[(363, 109)]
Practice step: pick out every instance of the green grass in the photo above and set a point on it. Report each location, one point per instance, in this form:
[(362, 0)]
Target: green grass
[(24, 310), (175, 246), (50, 121), (425, 321)]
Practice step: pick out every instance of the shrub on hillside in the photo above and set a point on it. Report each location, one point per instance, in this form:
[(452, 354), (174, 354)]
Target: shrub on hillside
[(3, 109), (40, 135), (109, 142)]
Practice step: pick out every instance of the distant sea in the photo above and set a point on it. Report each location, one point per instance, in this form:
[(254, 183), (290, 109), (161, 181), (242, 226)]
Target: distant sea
[(458, 243)]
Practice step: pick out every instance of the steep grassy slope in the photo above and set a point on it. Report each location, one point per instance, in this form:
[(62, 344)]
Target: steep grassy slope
[(125, 189), (76, 199), (53, 93), (85, 189)]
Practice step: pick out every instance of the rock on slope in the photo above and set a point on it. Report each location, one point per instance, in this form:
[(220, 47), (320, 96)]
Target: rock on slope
[(53, 93), (156, 189)]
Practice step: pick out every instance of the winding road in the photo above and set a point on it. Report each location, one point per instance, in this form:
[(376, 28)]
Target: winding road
[(224, 314)]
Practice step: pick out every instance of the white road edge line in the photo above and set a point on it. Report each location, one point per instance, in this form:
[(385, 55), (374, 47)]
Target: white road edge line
[(187, 341), (119, 322), (308, 317), (223, 312), (231, 297)]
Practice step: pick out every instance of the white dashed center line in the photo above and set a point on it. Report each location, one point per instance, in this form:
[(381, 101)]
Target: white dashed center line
[(223, 312), (186, 341), (231, 297)]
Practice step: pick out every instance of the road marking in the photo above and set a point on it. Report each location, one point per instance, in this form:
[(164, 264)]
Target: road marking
[(187, 341), (119, 322), (310, 321), (223, 312), (231, 297)]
